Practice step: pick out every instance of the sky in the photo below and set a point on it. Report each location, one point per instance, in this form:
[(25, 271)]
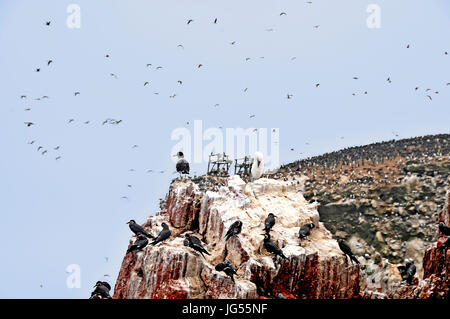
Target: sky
[(71, 210)]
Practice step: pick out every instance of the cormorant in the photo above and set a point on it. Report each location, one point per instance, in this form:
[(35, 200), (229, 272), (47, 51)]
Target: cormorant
[(182, 165), (102, 289), (138, 229), (269, 222), (347, 251), (227, 267), (234, 229), (444, 229), (408, 271), (163, 235), (195, 243), (305, 230), (139, 243), (271, 247)]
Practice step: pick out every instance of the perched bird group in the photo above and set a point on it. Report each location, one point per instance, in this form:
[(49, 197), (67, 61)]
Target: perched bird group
[(142, 236), (101, 291)]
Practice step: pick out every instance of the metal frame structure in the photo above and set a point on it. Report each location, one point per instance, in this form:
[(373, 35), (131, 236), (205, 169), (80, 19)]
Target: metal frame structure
[(219, 164), (242, 166)]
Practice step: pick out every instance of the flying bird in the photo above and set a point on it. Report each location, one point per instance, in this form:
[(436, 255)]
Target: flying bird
[(215, 21), (283, 14), (49, 61), (76, 93), (189, 21), (28, 124)]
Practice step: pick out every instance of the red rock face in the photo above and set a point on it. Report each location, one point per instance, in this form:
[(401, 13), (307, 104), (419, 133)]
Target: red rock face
[(317, 269)]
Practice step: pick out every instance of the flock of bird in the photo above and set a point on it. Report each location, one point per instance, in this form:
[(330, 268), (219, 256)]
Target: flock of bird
[(101, 291), (182, 167)]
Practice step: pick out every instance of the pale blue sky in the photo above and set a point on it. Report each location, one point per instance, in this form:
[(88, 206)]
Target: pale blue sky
[(69, 211)]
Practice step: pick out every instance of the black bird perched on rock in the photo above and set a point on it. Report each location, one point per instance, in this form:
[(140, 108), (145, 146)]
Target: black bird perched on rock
[(195, 243), (305, 230), (269, 222), (182, 165), (347, 251), (408, 271), (102, 289), (139, 244), (271, 247), (444, 229), (234, 229), (163, 235), (138, 229), (227, 267)]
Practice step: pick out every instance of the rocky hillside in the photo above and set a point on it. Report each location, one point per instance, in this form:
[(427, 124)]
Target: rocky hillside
[(384, 198), (435, 282), (206, 207)]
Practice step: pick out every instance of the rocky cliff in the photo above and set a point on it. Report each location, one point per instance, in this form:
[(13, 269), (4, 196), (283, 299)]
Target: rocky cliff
[(383, 198), (436, 266), (207, 206)]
